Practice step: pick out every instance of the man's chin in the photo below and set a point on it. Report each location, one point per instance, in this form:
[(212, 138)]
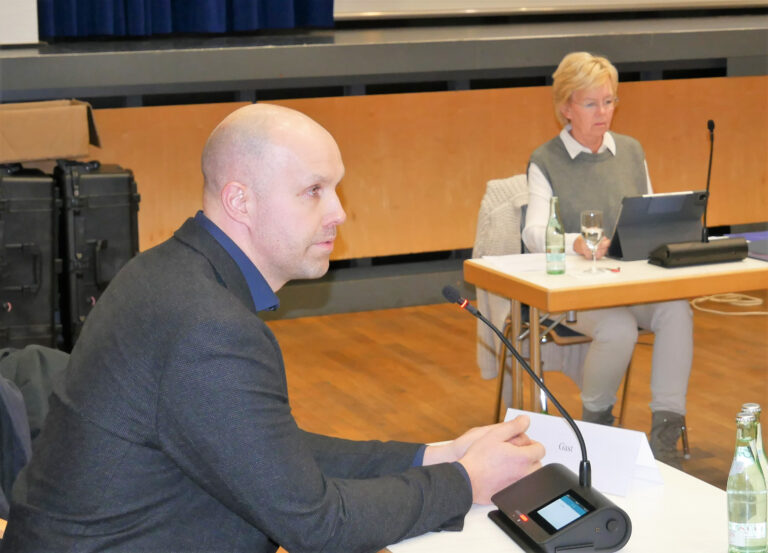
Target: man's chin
[(316, 270)]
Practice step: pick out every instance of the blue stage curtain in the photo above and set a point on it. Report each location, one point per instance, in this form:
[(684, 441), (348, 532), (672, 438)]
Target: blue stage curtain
[(114, 18)]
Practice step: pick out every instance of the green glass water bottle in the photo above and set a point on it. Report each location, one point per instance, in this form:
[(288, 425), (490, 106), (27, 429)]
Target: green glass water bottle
[(555, 240), (746, 492), (755, 409)]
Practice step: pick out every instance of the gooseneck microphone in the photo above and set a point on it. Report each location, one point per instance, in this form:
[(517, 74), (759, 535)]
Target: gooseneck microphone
[(711, 127), (585, 470), (550, 510)]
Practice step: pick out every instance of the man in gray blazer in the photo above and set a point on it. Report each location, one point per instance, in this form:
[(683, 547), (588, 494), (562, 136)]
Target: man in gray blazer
[(174, 432)]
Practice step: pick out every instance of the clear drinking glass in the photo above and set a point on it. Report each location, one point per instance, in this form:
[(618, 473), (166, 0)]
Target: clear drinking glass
[(592, 231)]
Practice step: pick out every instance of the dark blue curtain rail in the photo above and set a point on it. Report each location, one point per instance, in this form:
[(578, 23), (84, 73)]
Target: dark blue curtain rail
[(116, 18)]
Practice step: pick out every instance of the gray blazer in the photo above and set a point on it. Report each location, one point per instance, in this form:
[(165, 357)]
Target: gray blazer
[(175, 434)]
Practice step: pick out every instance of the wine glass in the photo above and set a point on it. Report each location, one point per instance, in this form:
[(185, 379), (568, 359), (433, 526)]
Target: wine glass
[(592, 231)]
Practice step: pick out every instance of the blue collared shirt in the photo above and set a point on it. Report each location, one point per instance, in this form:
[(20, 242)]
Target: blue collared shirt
[(264, 298)]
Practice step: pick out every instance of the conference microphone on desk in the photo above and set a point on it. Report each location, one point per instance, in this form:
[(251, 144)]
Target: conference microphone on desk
[(683, 254), (550, 510)]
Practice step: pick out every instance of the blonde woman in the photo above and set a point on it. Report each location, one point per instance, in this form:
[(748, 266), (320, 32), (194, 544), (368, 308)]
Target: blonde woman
[(589, 167)]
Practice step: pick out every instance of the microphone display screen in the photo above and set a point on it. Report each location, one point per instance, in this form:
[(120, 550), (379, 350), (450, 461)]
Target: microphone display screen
[(560, 512)]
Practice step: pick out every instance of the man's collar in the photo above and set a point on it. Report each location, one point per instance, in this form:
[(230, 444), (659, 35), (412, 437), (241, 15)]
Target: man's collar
[(574, 147), (264, 299)]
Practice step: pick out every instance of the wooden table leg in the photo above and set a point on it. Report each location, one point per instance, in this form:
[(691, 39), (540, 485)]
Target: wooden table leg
[(517, 370), (535, 356)]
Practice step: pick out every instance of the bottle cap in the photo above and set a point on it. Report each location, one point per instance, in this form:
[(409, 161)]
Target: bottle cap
[(751, 408), (745, 418)]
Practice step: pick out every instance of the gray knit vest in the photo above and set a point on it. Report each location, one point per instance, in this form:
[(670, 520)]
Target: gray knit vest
[(592, 181)]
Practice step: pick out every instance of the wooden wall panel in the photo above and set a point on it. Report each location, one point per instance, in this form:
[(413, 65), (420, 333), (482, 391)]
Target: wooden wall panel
[(417, 163), (162, 145), (670, 120)]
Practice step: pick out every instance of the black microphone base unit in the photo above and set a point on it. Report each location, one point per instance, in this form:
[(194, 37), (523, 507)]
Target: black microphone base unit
[(548, 511), (683, 254)]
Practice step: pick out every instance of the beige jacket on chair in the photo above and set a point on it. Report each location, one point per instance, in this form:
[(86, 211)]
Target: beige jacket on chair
[(499, 224)]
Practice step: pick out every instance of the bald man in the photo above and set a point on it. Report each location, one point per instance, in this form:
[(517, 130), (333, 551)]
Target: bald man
[(174, 432)]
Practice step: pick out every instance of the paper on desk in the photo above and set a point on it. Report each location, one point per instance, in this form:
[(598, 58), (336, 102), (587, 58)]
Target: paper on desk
[(620, 458), (529, 262), (575, 265)]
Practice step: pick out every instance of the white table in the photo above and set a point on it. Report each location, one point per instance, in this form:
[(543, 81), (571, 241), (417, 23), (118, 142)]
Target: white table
[(685, 515), (523, 278)]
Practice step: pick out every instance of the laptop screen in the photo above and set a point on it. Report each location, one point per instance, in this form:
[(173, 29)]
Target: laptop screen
[(645, 222)]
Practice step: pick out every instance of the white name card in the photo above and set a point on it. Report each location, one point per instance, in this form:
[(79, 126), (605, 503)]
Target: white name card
[(620, 458)]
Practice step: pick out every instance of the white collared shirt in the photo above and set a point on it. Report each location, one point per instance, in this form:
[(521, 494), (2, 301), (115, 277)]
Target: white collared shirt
[(540, 193)]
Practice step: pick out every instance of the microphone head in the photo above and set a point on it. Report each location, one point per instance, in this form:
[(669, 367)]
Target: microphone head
[(451, 294), (711, 125)]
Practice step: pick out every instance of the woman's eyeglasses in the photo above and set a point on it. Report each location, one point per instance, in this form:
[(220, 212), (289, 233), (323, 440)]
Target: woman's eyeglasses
[(608, 103)]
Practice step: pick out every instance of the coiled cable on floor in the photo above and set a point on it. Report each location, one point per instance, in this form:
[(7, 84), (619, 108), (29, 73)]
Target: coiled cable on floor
[(738, 300)]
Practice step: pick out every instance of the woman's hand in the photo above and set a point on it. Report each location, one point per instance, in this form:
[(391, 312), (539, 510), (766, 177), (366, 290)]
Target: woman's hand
[(580, 247)]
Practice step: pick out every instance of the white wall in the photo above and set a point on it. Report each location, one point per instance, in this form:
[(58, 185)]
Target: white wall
[(18, 22), (373, 9)]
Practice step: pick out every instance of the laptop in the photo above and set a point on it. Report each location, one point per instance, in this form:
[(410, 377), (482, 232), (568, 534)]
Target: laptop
[(648, 221)]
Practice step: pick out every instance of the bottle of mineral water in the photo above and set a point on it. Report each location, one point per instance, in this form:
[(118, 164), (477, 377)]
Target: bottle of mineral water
[(746, 492), (755, 409), (555, 240)]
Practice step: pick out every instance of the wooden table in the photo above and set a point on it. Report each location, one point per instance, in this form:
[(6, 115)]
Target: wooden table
[(523, 279)]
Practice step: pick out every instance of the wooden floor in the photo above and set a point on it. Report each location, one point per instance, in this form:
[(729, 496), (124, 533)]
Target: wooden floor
[(410, 374)]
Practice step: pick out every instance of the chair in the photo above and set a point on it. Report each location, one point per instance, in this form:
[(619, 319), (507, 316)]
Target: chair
[(27, 378), (498, 233), (500, 220), (555, 331), (15, 440)]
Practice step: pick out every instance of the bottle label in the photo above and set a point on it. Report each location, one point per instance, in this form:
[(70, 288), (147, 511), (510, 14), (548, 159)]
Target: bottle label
[(555, 263), (741, 534)]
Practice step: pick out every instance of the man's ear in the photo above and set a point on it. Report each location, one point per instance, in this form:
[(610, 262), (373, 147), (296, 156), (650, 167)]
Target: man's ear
[(235, 199)]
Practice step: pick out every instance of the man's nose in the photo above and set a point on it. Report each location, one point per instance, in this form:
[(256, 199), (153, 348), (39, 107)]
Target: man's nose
[(337, 215)]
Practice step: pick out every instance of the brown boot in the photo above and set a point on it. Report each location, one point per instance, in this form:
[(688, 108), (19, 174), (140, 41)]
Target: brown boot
[(599, 417), (666, 427)]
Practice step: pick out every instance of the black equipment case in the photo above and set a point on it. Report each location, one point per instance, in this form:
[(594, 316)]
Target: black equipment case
[(29, 261), (99, 234)]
